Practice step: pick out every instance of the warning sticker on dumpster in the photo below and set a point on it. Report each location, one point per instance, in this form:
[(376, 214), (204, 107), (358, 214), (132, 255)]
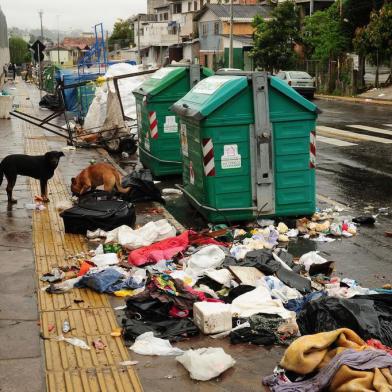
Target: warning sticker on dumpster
[(230, 158), (184, 140), (210, 85), (170, 124)]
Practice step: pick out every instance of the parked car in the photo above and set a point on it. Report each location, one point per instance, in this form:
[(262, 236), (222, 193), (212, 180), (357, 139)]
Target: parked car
[(299, 81)]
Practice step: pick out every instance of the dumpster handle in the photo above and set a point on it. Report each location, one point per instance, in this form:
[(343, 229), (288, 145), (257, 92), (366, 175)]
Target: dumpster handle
[(211, 208), (160, 160)]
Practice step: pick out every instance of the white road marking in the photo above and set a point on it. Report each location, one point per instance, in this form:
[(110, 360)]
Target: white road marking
[(371, 129), (327, 131), (334, 142)]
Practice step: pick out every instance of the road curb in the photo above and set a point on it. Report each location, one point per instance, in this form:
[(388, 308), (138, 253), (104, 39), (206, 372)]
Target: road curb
[(368, 101)]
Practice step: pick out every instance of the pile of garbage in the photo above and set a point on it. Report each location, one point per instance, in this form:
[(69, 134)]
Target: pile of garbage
[(227, 282)]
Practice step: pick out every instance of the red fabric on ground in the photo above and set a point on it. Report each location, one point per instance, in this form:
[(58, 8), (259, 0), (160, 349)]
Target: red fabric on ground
[(162, 250)]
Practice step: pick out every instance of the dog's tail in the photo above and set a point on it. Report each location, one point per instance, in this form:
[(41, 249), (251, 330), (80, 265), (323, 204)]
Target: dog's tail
[(1, 173), (118, 184)]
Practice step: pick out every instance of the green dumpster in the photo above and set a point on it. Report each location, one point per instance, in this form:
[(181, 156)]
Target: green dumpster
[(159, 145), (248, 145)]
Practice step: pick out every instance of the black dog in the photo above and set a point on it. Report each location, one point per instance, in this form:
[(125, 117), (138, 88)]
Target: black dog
[(41, 167)]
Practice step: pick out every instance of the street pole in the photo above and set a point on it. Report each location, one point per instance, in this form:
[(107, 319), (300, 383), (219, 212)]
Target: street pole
[(58, 41), (231, 35), (138, 40), (39, 60), (311, 7)]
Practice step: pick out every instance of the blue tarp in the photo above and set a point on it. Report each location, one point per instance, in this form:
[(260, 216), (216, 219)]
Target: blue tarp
[(77, 100)]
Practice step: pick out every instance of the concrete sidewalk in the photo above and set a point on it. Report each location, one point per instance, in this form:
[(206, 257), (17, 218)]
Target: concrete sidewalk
[(356, 99)]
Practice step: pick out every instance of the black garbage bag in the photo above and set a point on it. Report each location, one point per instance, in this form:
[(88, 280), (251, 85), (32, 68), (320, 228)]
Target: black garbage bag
[(369, 316), (172, 329), (142, 187), (51, 101)]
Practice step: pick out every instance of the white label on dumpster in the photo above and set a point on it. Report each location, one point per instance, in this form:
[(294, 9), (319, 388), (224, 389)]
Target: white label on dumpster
[(184, 140), (210, 85), (170, 124), (161, 73), (147, 142), (230, 158), (139, 115)]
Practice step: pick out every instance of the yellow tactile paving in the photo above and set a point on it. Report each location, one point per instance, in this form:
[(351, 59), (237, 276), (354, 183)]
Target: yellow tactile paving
[(69, 368)]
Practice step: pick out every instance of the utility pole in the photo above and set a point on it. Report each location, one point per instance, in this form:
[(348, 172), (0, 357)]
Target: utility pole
[(231, 35), (40, 12), (138, 39), (311, 7), (58, 40), (341, 8)]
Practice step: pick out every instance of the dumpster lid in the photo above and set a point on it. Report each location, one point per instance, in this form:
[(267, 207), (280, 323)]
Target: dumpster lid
[(160, 80), (165, 77), (285, 89), (208, 95)]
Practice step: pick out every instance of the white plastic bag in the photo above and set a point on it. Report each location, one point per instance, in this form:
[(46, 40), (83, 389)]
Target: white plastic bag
[(147, 344), (209, 257), (103, 260), (311, 258), (206, 363)]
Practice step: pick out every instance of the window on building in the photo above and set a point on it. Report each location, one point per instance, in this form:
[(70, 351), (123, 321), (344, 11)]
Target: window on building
[(166, 16), (177, 8), (206, 60), (195, 6), (216, 28), (189, 6), (204, 29), (141, 31)]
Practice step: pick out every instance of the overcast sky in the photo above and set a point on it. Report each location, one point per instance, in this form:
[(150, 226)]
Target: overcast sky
[(73, 14)]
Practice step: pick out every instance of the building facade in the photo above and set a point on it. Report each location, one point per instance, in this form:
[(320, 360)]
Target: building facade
[(4, 49), (169, 31), (214, 34)]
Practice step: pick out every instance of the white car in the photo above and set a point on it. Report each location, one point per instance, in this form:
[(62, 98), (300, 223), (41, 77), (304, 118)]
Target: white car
[(299, 81)]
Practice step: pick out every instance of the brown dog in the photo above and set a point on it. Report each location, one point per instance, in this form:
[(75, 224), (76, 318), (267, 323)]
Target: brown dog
[(96, 175)]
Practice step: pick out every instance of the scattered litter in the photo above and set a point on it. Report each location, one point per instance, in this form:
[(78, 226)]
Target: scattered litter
[(365, 220), (66, 326), (74, 341), (121, 307), (98, 344), (171, 191), (105, 259), (206, 363), (35, 206), (128, 363), (117, 332), (51, 327), (63, 205), (69, 148), (147, 344)]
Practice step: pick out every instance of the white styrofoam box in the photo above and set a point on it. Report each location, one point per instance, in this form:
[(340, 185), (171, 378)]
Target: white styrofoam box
[(212, 317), (5, 106)]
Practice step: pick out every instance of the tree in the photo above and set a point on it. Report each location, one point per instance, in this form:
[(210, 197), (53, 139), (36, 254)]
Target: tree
[(123, 34), (19, 51), (375, 40), (274, 39), (323, 35)]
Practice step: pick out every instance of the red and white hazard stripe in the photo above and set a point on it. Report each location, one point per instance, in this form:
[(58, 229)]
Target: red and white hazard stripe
[(153, 125), (208, 157), (312, 150)]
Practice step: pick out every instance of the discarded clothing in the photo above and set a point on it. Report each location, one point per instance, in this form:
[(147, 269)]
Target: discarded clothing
[(279, 290), (369, 316), (377, 344), (237, 291), (172, 329), (359, 369), (296, 305), (162, 250), (101, 281), (266, 329)]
